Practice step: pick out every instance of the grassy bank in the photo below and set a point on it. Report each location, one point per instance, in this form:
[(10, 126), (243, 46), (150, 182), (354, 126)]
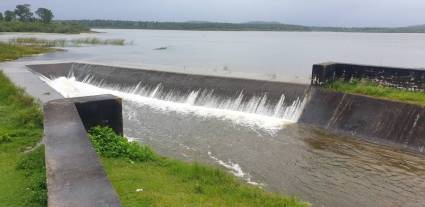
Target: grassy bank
[(22, 174), (54, 27), (12, 52), (375, 90), (143, 178)]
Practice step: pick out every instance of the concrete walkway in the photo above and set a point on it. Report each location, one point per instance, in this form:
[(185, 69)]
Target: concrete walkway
[(75, 176)]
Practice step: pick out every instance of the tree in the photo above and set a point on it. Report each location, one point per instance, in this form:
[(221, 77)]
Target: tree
[(1, 16), (45, 15), (9, 15), (23, 11)]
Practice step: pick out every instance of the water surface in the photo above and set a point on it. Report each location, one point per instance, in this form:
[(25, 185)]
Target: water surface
[(286, 56)]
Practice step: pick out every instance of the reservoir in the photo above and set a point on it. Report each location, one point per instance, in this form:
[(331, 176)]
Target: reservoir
[(281, 56), (261, 145)]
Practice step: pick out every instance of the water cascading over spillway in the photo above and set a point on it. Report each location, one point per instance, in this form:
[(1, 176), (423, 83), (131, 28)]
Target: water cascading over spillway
[(260, 109)]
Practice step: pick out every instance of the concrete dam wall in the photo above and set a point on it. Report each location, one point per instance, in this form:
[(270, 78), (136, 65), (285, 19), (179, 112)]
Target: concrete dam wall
[(266, 98), (377, 120)]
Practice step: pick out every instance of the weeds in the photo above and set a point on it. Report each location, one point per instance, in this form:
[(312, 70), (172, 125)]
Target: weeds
[(108, 144), (42, 43), (375, 90), (12, 52)]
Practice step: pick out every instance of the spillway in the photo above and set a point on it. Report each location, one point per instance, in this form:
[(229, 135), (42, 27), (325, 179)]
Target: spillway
[(254, 112), (268, 105), (252, 129)]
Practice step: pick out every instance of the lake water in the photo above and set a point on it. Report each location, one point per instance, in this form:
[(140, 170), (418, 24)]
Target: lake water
[(316, 166), (284, 56)]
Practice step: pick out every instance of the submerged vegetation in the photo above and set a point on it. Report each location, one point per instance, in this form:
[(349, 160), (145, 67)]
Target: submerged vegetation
[(36, 42), (23, 179), (143, 178), (19, 47), (12, 52), (375, 90)]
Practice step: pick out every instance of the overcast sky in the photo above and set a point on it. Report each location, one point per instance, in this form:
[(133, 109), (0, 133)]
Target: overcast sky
[(306, 12)]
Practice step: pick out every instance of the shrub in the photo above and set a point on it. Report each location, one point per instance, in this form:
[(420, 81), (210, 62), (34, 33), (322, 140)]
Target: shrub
[(108, 144)]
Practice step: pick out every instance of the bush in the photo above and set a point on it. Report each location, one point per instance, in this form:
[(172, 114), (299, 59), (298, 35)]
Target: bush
[(108, 144)]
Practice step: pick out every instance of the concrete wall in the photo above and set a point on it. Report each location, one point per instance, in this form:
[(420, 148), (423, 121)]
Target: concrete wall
[(378, 120), (396, 77), (178, 82), (75, 176), (102, 110)]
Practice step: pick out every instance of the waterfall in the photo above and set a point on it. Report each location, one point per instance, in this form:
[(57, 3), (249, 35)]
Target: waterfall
[(255, 110)]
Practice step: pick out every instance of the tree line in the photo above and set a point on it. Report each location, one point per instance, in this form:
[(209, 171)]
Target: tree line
[(248, 26), (23, 13), (193, 25)]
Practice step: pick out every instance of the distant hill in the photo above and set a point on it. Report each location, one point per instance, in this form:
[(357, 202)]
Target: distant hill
[(416, 28), (247, 26), (261, 22)]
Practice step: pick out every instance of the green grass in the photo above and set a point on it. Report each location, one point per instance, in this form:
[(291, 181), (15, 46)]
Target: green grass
[(20, 47), (42, 43), (143, 178), (12, 52), (368, 88), (22, 174), (54, 27)]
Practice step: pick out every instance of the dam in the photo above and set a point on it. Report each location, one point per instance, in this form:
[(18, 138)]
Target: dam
[(284, 137)]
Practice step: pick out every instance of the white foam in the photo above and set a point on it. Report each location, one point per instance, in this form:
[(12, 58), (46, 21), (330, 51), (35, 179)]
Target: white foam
[(235, 169), (253, 113)]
